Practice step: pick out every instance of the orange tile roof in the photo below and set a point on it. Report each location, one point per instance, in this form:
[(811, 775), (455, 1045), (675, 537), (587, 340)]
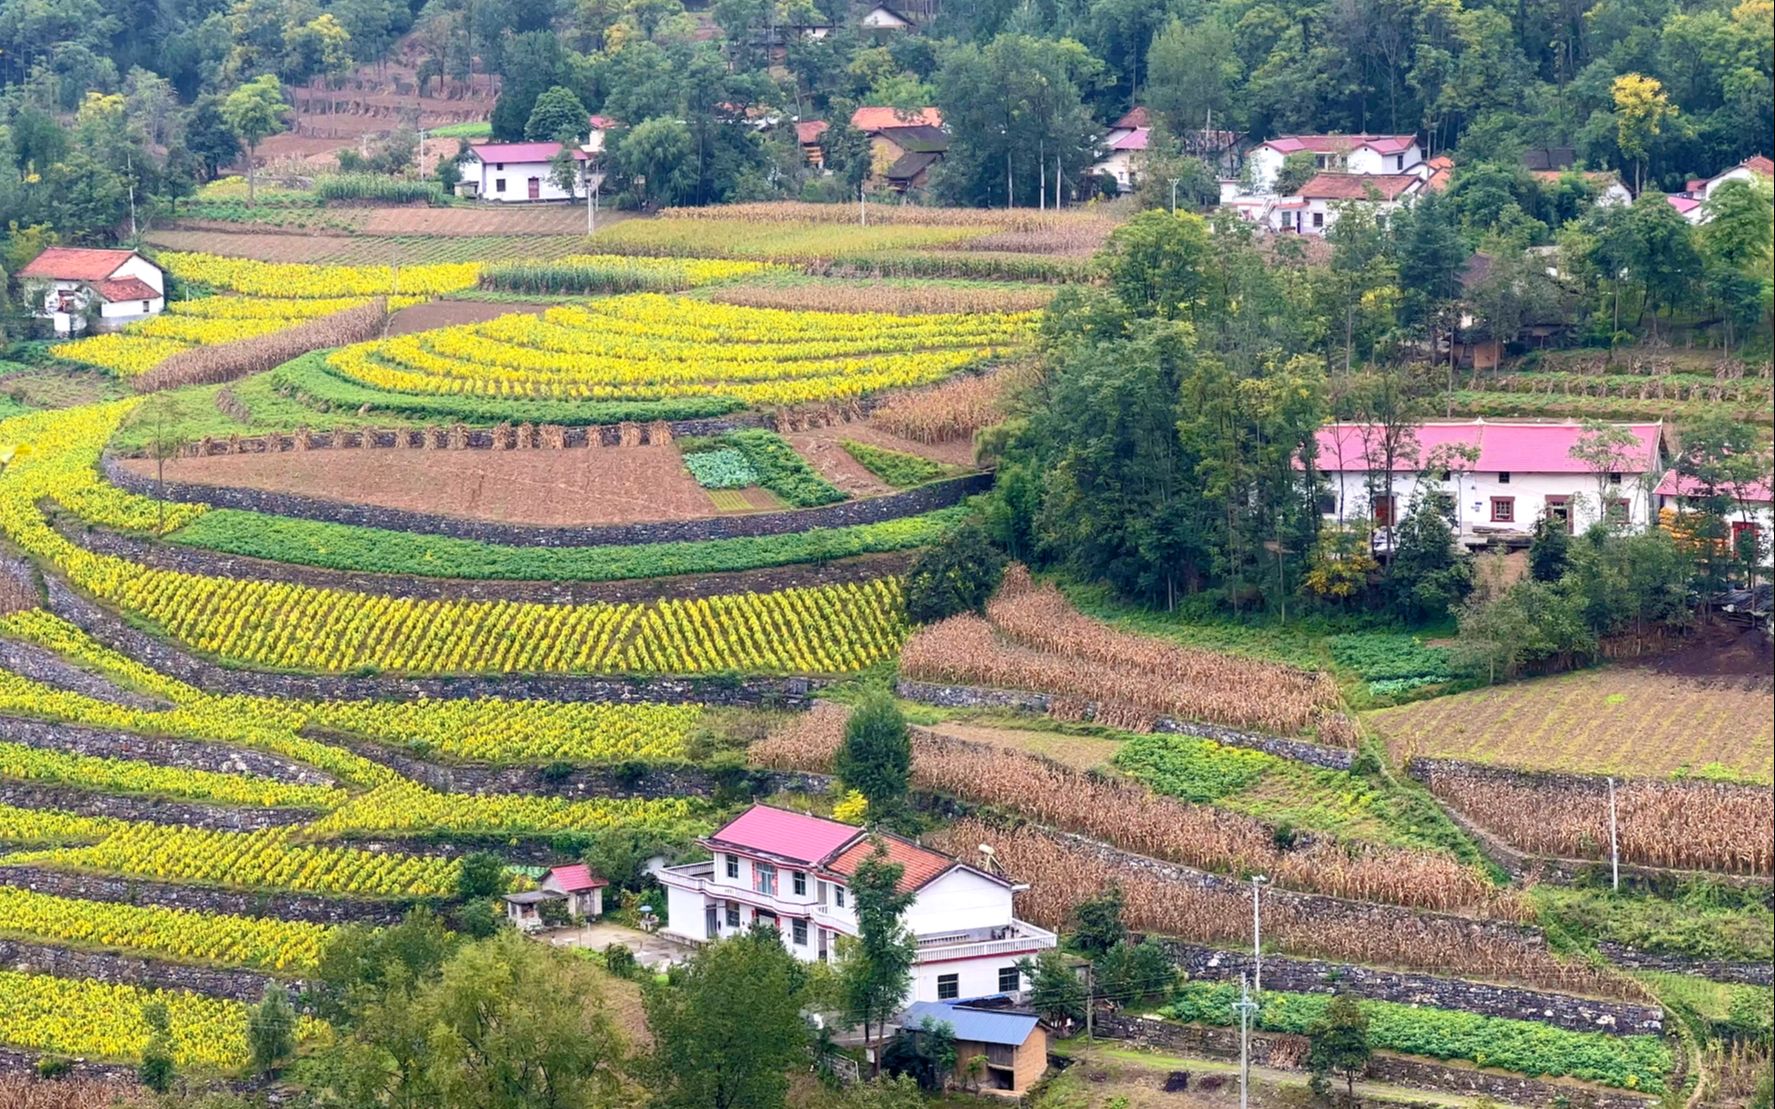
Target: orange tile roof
[(126, 288), (880, 119), (919, 865), (76, 263)]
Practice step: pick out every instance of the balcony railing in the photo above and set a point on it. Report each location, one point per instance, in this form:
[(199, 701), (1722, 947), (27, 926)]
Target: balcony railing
[(1018, 936)]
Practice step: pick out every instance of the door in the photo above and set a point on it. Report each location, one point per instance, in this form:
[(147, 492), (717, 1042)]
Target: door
[(1560, 508), (536, 188), (711, 929), (1383, 511), (822, 932)]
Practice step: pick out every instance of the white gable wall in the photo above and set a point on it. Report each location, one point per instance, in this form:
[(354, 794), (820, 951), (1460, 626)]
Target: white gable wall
[(958, 901)]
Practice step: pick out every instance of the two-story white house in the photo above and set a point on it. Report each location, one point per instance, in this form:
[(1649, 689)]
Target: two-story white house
[(1522, 470), (67, 283), (518, 172), (793, 872), (1315, 208), (1363, 154), (1692, 201)]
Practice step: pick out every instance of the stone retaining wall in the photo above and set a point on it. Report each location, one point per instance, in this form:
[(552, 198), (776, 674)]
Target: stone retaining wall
[(227, 818), (868, 510), (1754, 974), (1577, 1014), (42, 665), (14, 1061), (160, 655), (181, 753), (975, 697), (265, 903), (212, 563), (503, 437), (134, 970), (1282, 1050)]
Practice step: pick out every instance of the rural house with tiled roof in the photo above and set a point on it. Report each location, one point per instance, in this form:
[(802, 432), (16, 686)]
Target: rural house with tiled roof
[(793, 872), (69, 285)]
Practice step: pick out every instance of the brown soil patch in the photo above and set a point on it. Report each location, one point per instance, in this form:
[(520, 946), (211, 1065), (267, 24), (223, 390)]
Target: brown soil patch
[(539, 219), (1077, 751), (607, 485), (271, 245), (448, 313), (1724, 650), (823, 447)]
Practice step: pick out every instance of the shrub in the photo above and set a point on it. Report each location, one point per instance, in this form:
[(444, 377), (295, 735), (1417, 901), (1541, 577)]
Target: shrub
[(954, 576), (620, 961)]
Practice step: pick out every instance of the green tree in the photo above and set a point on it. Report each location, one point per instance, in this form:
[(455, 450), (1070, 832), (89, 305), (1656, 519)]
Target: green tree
[(1097, 922), (1297, 169), (533, 63), (482, 875), (1134, 974), (1055, 991), (1641, 109), (956, 574), (361, 966), (654, 156), (1429, 574), (1721, 460), (157, 1070), (1338, 1045), (876, 971), (733, 1014), (1191, 70), (271, 1030), (255, 111), (208, 135), (1549, 548), (875, 758), (558, 115)]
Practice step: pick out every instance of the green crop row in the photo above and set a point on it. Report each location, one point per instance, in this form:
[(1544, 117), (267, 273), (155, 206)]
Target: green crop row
[(1526, 1047), (374, 550), (898, 468), (779, 468)]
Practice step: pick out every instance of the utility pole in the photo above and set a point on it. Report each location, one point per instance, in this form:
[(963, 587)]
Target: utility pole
[(862, 208), (1246, 1007), (1174, 182), (1257, 881), (1614, 841), (1090, 1011)]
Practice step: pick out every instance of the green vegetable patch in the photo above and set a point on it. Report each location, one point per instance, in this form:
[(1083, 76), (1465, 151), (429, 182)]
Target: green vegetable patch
[(898, 468)]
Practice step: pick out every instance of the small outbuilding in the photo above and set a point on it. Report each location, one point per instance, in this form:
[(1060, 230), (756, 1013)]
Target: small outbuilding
[(569, 893), (70, 285), (1000, 1050)]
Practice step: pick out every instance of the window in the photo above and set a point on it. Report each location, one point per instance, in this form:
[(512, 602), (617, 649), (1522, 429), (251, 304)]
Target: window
[(1448, 475), (1504, 477), (1503, 510), (733, 914), (733, 866), (1614, 477), (798, 882), (798, 932), (948, 987), (144, 306), (764, 879), (1327, 504), (1010, 980), (1318, 219), (499, 165), (838, 896), (499, 184), (1560, 508)]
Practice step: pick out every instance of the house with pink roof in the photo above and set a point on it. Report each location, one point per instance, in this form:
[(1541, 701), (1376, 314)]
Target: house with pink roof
[(1521, 471), (519, 172), (1753, 506), (1363, 154), (574, 888), (1122, 155), (793, 871)]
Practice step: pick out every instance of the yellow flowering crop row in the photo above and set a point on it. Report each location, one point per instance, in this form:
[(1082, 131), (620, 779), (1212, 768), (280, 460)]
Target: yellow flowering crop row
[(21, 826), (98, 1019), (520, 731), (648, 346), (266, 859), (294, 279), (279, 946), (404, 806), (120, 352), (129, 776)]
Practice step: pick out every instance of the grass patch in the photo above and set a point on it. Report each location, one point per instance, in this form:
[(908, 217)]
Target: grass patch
[(1703, 920)]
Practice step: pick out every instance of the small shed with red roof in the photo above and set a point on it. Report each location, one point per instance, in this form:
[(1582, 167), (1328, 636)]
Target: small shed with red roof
[(577, 892), (70, 285)]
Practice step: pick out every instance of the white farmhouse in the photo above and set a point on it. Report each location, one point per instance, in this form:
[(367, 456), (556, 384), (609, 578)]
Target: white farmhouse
[(1364, 154), (793, 871), (517, 172), (1121, 156), (1314, 209), (123, 285), (1692, 202), (1753, 507), (1522, 471)]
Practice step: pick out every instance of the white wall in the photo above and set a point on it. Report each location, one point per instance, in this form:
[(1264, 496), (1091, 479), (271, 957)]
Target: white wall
[(958, 901), (1762, 515), (516, 176), (1266, 164), (1473, 492), (684, 913), (975, 977), (148, 272), (1120, 165)]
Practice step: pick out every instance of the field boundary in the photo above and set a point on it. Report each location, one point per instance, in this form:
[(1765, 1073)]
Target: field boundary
[(269, 904), (868, 510), (59, 961), (39, 794), (970, 697)]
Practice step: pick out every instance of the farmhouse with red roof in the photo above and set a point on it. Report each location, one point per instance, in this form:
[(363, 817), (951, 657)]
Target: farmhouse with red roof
[(1314, 208), (1365, 154), (1521, 471), (69, 285), (1752, 511), (519, 172), (792, 872), (578, 892)]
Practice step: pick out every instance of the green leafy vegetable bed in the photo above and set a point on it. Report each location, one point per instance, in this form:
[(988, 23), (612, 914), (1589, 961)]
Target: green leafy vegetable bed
[(1527, 1047), (777, 466), (898, 468), (721, 469)]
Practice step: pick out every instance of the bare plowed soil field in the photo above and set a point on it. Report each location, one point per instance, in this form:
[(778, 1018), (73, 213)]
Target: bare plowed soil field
[(365, 250), (605, 485), (539, 219), (1631, 721)]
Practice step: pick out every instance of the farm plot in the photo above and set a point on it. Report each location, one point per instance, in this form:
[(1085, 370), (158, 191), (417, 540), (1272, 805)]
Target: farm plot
[(649, 347), (403, 250), (1630, 722), (1031, 638)]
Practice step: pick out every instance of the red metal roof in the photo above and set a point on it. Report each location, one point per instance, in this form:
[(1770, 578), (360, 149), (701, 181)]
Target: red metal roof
[(1356, 186), (880, 119), (1674, 484), (76, 263), (1759, 164), (1341, 144), (1683, 204), (1512, 448), (521, 152), (575, 878), (788, 835), (126, 288), (808, 131), (1133, 140), (918, 865)]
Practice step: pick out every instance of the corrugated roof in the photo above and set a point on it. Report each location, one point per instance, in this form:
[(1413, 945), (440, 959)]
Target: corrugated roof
[(877, 119), (1507, 447), (1133, 140), (1356, 186), (575, 878), (789, 835), (76, 263), (1132, 118), (919, 138), (1674, 484), (918, 865), (1341, 144), (978, 1026), (126, 288), (808, 131), (1683, 204), (907, 166), (519, 151)]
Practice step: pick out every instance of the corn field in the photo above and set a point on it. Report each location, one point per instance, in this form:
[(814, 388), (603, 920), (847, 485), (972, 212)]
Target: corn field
[(18, 1091), (956, 409), (207, 365), (1681, 825), (1134, 819), (1021, 219), (375, 188), (1033, 639), (1062, 873)]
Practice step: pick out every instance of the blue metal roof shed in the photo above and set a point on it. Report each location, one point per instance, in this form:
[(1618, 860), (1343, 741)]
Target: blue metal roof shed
[(980, 1026)]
